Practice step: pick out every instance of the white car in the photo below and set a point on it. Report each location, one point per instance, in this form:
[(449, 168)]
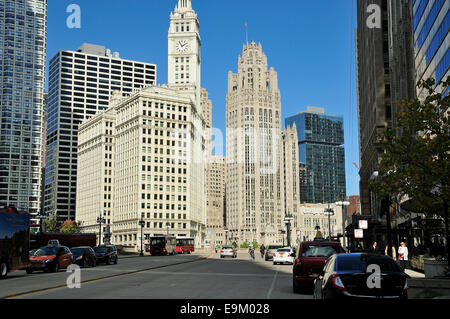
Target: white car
[(284, 255), (228, 252)]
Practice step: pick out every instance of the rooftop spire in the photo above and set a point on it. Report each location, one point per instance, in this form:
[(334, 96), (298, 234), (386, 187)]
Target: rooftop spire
[(185, 4)]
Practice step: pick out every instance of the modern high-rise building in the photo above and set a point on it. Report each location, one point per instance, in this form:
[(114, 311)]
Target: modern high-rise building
[(23, 34), (385, 75), (255, 204), (431, 40), (80, 85), (321, 150)]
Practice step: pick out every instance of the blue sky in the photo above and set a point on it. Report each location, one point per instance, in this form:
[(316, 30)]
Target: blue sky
[(309, 43)]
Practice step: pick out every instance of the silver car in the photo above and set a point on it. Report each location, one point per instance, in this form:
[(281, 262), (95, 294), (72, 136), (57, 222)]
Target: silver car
[(228, 251)]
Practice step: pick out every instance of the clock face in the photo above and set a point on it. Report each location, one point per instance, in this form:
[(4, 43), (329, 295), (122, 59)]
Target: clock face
[(182, 46)]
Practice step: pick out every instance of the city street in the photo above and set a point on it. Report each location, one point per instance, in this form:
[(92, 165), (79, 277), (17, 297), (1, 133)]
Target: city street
[(171, 277)]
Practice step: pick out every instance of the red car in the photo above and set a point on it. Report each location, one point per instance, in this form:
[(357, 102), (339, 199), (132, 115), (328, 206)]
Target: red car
[(311, 258), (50, 258)]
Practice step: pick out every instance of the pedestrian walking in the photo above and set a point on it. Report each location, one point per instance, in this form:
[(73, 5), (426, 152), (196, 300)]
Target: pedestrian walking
[(403, 255)]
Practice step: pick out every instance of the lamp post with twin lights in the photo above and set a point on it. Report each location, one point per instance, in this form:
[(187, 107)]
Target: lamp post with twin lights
[(142, 224), (101, 220)]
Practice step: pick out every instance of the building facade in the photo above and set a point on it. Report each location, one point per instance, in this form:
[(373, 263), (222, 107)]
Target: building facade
[(216, 179), (385, 75), (23, 35), (255, 202), (320, 146), (313, 217), (80, 85), (431, 40), (158, 171)]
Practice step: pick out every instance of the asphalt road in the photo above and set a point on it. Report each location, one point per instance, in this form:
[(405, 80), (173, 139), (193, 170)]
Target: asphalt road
[(162, 277)]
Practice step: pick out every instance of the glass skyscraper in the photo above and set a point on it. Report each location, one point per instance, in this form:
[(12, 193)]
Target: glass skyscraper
[(431, 39), (321, 154), (23, 25)]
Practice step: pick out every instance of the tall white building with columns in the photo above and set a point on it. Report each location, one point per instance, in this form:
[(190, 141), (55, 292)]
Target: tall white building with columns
[(158, 150)]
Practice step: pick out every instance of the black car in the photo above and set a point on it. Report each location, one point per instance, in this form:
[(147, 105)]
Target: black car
[(106, 254), (84, 256), (356, 276)]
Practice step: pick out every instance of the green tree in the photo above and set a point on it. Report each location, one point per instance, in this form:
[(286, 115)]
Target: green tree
[(255, 245), (51, 225), (415, 161), (245, 244), (69, 226)]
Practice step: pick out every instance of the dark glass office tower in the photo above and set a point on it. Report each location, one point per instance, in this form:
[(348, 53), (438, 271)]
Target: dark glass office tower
[(23, 27), (80, 84), (431, 39), (321, 155)]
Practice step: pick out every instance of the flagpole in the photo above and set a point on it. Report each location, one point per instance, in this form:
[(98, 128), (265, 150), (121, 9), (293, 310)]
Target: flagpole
[(246, 32)]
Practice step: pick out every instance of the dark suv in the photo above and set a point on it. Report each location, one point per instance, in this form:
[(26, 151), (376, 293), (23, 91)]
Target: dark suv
[(310, 260), (106, 254)]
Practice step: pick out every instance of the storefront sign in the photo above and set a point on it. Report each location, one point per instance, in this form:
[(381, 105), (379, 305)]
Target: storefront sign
[(359, 233), (363, 224)]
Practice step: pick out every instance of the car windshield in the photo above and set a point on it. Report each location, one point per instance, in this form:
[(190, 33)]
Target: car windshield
[(318, 251), (100, 249), (273, 247), (284, 250), (227, 248), (359, 263), (45, 251), (77, 251)]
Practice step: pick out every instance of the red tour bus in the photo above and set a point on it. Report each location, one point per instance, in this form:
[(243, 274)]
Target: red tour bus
[(185, 245), (163, 245)]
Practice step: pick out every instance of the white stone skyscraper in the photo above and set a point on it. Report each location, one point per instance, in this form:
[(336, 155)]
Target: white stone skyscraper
[(149, 151), (23, 35), (255, 178)]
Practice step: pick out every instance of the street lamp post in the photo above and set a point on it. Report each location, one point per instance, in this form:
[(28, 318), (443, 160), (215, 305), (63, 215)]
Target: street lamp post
[(100, 220), (142, 224), (282, 235), (226, 236), (330, 212), (343, 203), (287, 221), (41, 218)]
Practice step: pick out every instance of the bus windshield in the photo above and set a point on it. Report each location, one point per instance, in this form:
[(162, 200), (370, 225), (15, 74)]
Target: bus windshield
[(157, 241)]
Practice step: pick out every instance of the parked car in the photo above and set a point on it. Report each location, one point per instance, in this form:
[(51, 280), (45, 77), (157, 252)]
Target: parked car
[(312, 256), (284, 255), (346, 276), (83, 256), (50, 258), (106, 254), (270, 251), (228, 251)]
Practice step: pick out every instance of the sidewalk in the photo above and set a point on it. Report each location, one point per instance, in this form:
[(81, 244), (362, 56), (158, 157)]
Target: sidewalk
[(420, 287)]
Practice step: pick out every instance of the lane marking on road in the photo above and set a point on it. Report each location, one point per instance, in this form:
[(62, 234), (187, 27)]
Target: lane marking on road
[(273, 285), (37, 291), (211, 274)]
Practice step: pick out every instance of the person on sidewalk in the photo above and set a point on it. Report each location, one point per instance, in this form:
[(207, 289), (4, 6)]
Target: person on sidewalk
[(262, 250), (394, 254), (403, 255), (374, 248)]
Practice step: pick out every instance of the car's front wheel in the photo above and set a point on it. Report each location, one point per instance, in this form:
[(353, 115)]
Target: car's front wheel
[(115, 260), (3, 269), (29, 271)]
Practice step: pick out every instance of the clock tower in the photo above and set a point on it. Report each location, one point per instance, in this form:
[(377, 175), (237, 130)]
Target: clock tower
[(184, 51)]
